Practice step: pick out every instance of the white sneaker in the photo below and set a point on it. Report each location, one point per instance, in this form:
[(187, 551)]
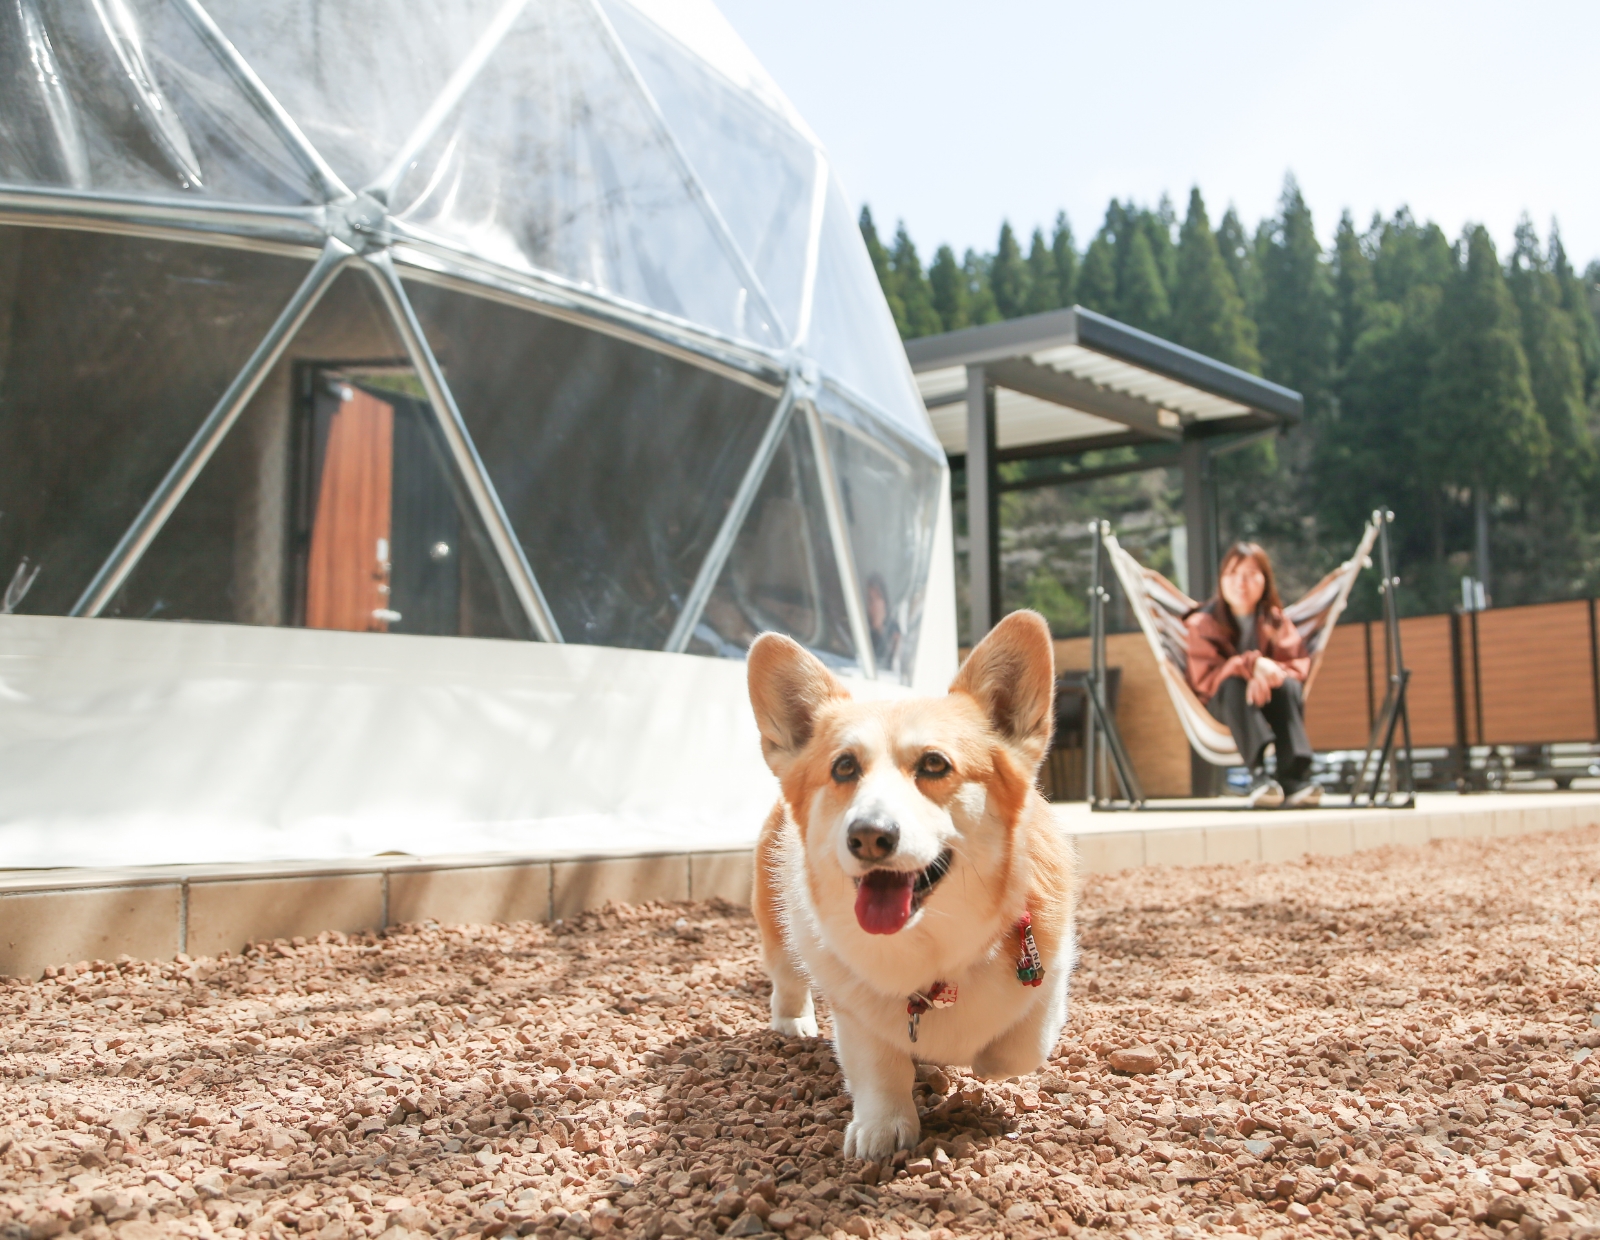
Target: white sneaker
[(1265, 793), (1306, 796)]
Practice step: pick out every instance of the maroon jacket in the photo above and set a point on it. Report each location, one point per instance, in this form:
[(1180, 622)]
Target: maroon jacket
[(1212, 657)]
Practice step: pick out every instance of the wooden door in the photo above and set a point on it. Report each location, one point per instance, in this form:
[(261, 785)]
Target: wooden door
[(347, 573)]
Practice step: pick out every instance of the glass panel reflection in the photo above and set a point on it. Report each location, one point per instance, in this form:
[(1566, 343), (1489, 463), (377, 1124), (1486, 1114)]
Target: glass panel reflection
[(614, 462), (332, 504), (126, 97), (781, 574), (356, 76), (889, 495), (852, 332), (757, 168), (554, 161), (112, 352)]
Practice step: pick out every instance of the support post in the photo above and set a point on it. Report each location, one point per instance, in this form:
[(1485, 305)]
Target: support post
[(1091, 758), (1205, 780), (1480, 537), (1099, 723), (1199, 519), (1387, 753), (983, 505)]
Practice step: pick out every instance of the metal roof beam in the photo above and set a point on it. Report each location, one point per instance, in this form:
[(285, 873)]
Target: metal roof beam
[(1036, 333), (1151, 421), (1129, 344)]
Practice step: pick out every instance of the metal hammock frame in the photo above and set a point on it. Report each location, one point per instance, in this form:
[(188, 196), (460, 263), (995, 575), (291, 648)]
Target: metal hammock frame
[(1384, 775)]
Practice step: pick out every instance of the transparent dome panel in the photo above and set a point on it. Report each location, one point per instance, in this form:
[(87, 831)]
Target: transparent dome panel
[(126, 96), (332, 503), (112, 352), (852, 332), (782, 574), (357, 76), (756, 166), (889, 493), (615, 463), (555, 161)]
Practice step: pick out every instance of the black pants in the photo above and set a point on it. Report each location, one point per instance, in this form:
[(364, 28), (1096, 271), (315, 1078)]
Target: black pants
[(1281, 721)]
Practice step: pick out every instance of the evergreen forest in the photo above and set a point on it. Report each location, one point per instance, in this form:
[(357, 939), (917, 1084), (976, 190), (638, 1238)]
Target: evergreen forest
[(1442, 379)]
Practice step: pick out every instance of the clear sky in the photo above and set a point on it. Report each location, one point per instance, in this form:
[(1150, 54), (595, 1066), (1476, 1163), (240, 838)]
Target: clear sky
[(954, 115)]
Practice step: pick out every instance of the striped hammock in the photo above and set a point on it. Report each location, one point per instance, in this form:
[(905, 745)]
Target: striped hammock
[(1160, 608)]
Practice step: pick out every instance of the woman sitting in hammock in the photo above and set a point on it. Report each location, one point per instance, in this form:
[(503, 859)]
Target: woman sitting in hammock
[(1247, 663)]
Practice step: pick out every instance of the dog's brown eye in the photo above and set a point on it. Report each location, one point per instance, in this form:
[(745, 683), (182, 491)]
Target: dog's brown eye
[(933, 766), (845, 768)]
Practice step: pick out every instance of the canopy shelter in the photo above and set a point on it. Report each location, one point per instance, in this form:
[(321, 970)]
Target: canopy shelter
[(1071, 381)]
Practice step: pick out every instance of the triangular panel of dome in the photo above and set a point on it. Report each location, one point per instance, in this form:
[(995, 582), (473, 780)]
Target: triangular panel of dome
[(357, 77), (127, 97), (128, 344), (781, 573), (615, 463), (332, 503), (555, 161), (852, 334), (758, 169)]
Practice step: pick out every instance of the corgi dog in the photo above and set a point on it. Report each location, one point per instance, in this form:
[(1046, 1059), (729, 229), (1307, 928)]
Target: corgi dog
[(912, 872)]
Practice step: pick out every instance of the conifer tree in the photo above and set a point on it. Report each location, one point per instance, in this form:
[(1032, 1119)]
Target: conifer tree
[(981, 307), (1369, 442), (949, 287), (1207, 312), (1550, 342), (1159, 225), (880, 264), (1410, 254), (1354, 288), (912, 284), (1296, 314), (1483, 429), (1238, 252), (1044, 289), (1142, 294), (1008, 275), (1097, 279), (1576, 304), (1065, 255)]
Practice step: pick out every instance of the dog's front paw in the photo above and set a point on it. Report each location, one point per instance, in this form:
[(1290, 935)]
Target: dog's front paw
[(875, 1137), (796, 1026)]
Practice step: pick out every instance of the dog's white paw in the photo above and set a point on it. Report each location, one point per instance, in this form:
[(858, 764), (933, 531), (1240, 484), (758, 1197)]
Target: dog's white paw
[(875, 1137), (796, 1026)]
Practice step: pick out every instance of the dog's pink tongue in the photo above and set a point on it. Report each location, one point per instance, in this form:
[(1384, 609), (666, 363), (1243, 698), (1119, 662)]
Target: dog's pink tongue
[(883, 901)]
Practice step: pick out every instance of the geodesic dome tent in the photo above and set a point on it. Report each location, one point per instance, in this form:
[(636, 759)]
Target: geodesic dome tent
[(486, 318)]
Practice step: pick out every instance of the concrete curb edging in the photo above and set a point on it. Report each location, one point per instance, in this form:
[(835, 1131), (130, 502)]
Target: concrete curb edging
[(56, 917)]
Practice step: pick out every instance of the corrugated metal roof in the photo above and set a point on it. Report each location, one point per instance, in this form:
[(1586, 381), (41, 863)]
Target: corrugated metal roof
[(1122, 376), (1020, 421), (1092, 349)]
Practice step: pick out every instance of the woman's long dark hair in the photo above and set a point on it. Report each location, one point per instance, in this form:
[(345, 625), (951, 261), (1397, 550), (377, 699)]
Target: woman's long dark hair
[(1269, 604)]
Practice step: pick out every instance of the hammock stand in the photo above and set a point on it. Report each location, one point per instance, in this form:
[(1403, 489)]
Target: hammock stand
[(1383, 778)]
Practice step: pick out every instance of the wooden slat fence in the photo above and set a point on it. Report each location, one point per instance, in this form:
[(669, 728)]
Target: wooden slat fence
[(1509, 676)]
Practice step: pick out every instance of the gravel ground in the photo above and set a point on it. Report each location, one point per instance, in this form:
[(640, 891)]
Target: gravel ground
[(1392, 1042)]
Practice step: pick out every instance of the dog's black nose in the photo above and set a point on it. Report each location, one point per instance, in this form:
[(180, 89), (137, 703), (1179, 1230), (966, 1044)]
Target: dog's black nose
[(872, 839)]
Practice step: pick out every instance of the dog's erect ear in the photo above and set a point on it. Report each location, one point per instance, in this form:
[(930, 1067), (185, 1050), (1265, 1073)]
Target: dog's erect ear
[(1012, 675), (788, 686)]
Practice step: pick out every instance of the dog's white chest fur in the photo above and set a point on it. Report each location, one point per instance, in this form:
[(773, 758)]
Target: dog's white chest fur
[(875, 982)]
